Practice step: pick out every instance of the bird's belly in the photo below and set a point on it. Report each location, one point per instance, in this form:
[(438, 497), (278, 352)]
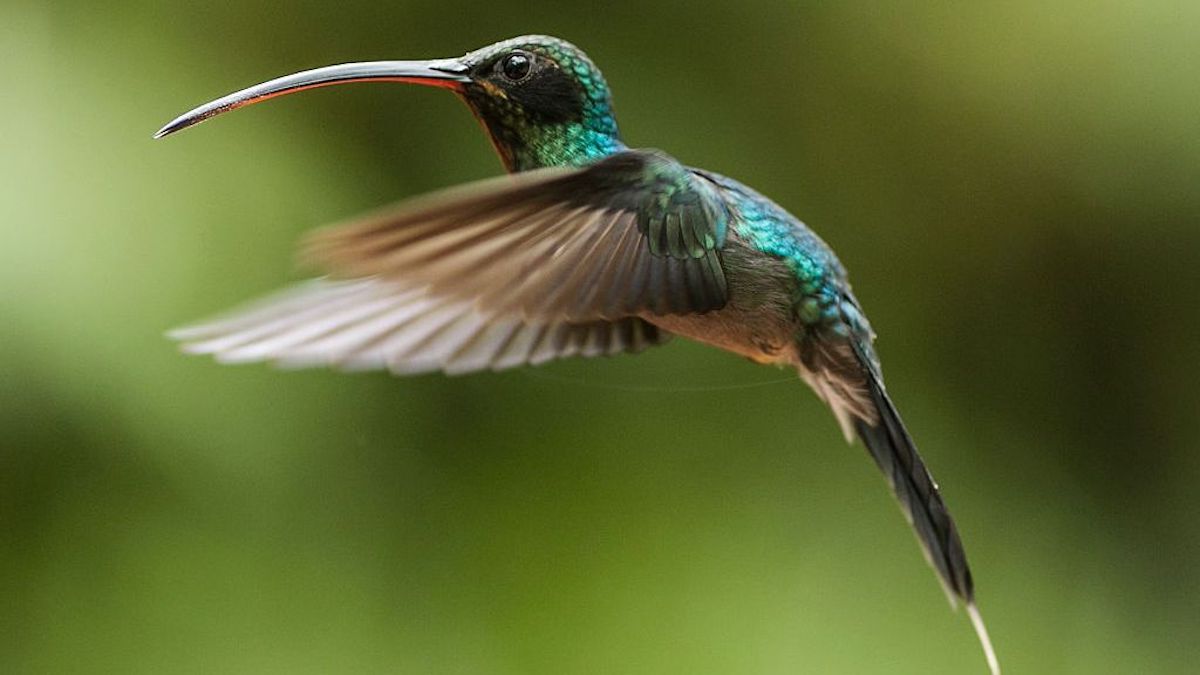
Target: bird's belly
[(758, 322), (734, 330)]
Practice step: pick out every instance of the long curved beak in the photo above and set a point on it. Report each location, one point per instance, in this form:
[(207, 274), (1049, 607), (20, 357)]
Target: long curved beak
[(446, 73)]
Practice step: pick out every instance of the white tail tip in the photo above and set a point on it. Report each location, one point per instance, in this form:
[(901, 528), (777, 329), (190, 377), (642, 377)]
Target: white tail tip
[(981, 631)]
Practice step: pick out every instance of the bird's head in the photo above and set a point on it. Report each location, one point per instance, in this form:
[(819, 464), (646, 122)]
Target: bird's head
[(541, 99)]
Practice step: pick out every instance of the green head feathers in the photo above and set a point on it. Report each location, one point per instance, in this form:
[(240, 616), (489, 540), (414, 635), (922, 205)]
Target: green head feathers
[(543, 102)]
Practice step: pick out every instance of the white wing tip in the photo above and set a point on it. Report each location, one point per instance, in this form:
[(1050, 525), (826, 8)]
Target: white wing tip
[(984, 640)]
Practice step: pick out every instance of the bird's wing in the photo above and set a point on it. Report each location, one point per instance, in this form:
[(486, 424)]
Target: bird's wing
[(376, 324), (636, 232), (842, 367)]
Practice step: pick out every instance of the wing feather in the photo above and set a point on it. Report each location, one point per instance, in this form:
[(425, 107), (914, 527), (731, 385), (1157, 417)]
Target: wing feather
[(636, 232), (374, 323)]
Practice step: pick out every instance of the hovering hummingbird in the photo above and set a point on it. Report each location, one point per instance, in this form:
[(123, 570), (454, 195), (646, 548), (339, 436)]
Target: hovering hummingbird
[(588, 248)]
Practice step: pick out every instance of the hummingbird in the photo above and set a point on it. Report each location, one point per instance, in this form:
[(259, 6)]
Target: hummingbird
[(586, 247)]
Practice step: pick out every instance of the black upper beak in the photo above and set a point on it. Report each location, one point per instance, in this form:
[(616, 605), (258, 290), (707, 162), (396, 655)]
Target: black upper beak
[(447, 73)]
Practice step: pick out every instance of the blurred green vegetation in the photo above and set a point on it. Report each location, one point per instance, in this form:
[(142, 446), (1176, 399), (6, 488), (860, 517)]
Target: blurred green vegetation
[(1013, 186)]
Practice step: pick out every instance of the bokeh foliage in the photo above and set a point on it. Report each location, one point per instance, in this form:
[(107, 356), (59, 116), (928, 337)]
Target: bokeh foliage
[(1013, 186)]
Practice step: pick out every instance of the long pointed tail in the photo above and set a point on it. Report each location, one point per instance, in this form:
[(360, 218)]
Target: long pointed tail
[(894, 451)]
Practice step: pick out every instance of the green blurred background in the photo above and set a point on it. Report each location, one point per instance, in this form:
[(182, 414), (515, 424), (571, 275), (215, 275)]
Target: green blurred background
[(1013, 186)]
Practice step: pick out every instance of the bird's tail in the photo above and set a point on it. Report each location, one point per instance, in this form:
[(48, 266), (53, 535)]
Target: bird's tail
[(894, 451)]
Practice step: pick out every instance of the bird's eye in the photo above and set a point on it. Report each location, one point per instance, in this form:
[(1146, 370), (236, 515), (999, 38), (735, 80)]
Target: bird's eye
[(516, 66)]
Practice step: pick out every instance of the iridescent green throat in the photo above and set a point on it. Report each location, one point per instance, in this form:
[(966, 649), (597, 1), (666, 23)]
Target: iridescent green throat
[(525, 142), (561, 145)]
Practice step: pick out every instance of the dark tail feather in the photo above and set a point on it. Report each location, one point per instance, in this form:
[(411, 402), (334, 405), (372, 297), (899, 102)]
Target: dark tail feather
[(896, 454), (893, 450)]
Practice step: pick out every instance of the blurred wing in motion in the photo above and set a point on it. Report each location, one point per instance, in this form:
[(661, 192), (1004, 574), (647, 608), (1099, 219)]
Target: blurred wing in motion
[(375, 324), (636, 232)]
